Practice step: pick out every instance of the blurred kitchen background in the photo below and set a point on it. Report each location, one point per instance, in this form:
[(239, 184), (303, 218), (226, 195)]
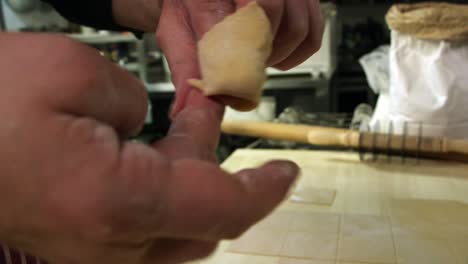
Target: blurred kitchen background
[(326, 90)]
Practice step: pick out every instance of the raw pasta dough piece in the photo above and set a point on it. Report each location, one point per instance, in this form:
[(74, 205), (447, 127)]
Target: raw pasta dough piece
[(233, 57), (314, 196)]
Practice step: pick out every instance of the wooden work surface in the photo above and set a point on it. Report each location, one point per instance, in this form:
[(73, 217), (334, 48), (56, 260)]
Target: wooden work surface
[(382, 213)]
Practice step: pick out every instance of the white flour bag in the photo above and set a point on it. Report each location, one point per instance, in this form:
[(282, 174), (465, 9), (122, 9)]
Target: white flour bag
[(429, 68)]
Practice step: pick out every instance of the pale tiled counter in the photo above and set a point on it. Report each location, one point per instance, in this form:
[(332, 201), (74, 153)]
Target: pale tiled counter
[(383, 212)]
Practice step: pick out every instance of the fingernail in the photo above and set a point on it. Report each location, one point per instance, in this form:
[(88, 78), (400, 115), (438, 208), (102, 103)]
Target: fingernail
[(290, 169), (292, 188), (248, 180), (287, 169)]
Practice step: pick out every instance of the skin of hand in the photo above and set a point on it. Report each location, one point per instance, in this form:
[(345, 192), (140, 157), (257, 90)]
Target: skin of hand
[(73, 192)]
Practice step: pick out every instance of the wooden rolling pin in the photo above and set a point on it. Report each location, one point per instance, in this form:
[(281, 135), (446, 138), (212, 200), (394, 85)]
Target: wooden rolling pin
[(324, 136)]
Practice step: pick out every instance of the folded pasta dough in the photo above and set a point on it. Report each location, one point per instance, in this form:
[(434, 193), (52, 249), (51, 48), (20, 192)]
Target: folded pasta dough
[(233, 57)]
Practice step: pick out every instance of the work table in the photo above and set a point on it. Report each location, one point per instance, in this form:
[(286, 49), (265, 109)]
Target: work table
[(383, 212)]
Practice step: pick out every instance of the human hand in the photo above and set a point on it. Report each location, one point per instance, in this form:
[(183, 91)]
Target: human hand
[(72, 192), (296, 24)]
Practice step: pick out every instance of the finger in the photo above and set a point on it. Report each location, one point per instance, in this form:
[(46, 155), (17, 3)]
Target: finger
[(177, 41), (313, 41), (206, 203), (94, 87), (292, 32), (166, 251), (152, 197), (204, 14), (273, 8), (196, 130)]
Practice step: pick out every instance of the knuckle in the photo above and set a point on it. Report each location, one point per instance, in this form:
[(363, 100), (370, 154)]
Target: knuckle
[(140, 163), (136, 202), (65, 201), (89, 132)]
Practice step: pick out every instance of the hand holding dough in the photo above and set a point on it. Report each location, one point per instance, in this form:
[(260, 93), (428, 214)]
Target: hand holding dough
[(233, 57)]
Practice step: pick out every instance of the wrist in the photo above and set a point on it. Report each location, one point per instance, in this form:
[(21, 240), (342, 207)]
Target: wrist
[(137, 14)]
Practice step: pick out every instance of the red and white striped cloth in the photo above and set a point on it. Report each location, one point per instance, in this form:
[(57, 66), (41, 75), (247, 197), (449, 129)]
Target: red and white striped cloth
[(10, 256)]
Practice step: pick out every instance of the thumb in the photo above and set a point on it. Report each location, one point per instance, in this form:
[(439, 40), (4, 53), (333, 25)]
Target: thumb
[(205, 14)]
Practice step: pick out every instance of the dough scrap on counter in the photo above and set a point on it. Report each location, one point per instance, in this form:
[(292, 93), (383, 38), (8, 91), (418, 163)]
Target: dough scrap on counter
[(317, 196), (233, 57)]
